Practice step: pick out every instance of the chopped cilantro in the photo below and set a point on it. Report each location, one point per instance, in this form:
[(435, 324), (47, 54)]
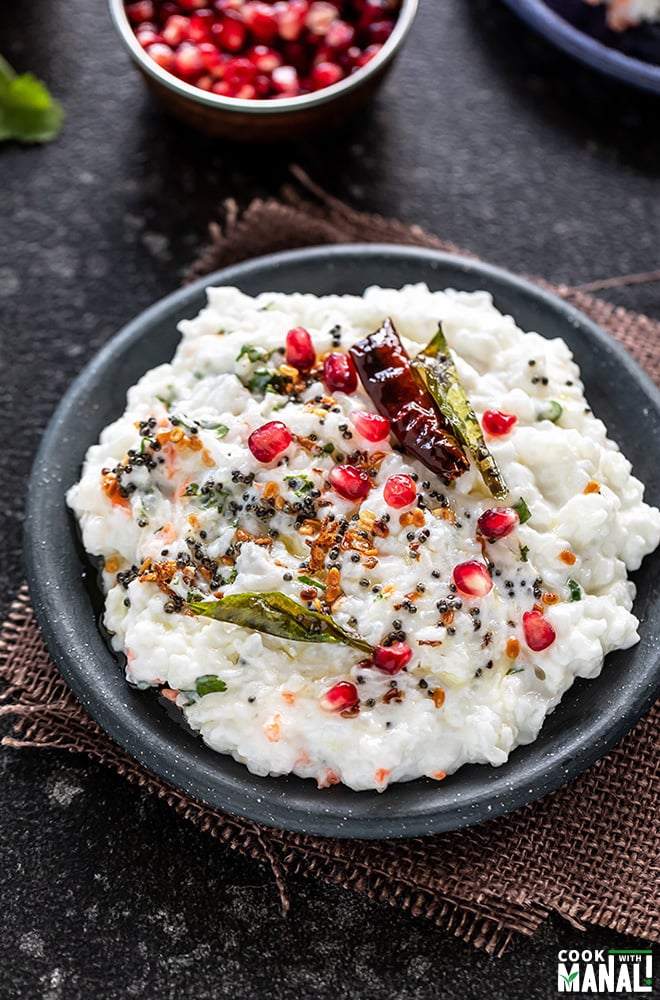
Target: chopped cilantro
[(220, 429), (514, 670), (265, 380), (311, 582), (208, 683), (524, 551), (575, 589), (300, 484), (522, 510), (328, 448), (253, 354), (192, 490)]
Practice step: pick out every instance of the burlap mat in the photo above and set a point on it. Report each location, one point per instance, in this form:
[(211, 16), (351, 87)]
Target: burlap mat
[(588, 851)]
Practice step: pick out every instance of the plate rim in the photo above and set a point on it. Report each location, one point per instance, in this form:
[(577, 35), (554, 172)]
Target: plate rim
[(586, 49), (587, 745)]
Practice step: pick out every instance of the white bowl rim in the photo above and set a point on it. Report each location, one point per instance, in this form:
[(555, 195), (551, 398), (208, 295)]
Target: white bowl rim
[(259, 106)]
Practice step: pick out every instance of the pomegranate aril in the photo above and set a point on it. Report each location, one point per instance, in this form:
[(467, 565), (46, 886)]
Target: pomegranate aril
[(379, 32), (229, 33), (320, 16), (472, 578), (291, 18), (340, 696), (211, 57), (399, 491), (141, 11), (325, 74), (191, 5), (168, 9), (148, 35), (162, 55), (223, 89), (269, 441), (350, 482), (239, 71), (373, 10), (365, 57), (496, 423), (285, 80), (246, 92), (299, 349), (261, 20), (175, 29), (340, 35), (188, 61), (200, 26), (498, 522), (265, 59), (262, 84), (392, 659), (539, 633), (371, 426), (339, 373)]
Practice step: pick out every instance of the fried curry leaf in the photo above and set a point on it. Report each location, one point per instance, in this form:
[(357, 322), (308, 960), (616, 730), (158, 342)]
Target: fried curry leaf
[(279, 615), (437, 370), (28, 113)]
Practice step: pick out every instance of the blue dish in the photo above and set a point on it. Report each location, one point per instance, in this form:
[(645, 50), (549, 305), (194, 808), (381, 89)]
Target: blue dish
[(578, 29), (592, 716)]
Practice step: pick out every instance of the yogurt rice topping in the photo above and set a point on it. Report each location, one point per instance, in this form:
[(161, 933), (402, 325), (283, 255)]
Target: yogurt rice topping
[(309, 582)]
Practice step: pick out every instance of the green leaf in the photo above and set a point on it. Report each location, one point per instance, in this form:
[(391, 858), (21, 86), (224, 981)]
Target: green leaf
[(514, 670), (279, 615), (435, 366), (300, 484), (524, 552), (575, 589), (309, 581), (522, 510), (27, 111), (253, 354), (220, 429), (208, 683)]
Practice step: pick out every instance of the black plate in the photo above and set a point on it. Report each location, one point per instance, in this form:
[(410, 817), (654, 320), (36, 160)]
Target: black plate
[(579, 29), (593, 715)]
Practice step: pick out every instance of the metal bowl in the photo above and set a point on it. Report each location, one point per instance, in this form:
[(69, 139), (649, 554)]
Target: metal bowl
[(259, 120)]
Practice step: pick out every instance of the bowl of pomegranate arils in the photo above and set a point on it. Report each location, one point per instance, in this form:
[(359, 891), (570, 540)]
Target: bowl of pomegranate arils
[(263, 70)]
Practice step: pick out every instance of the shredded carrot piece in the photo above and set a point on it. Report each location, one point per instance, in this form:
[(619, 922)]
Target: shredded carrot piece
[(288, 697), (110, 487), (272, 729), (592, 487), (170, 693), (567, 557), (439, 775), (382, 774), (330, 778)]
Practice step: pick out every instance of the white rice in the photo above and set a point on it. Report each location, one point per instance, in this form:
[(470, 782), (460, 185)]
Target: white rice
[(270, 717)]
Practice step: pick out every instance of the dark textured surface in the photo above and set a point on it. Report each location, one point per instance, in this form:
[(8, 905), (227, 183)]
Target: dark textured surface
[(483, 134)]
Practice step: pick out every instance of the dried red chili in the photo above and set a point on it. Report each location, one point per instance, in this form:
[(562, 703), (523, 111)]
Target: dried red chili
[(397, 393)]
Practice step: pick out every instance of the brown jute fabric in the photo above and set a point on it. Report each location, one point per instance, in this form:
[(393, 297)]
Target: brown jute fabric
[(589, 851)]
